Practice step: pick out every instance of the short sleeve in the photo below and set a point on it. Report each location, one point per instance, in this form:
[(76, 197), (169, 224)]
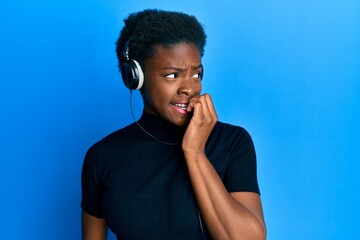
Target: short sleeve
[(91, 184), (241, 173)]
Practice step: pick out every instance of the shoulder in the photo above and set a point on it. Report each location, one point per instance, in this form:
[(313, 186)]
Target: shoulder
[(126, 132), (121, 135), (228, 126), (229, 140), (230, 132), (116, 140)]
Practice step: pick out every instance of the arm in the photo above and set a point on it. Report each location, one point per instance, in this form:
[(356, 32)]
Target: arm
[(93, 228), (227, 215)]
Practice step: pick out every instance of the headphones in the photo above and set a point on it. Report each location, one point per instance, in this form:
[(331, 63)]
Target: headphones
[(131, 72)]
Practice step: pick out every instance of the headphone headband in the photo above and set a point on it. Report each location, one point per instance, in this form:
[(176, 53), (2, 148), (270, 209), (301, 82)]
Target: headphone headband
[(126, 51)]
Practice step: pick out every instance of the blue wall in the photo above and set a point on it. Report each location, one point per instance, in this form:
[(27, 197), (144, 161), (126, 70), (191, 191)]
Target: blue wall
[(288, 71)]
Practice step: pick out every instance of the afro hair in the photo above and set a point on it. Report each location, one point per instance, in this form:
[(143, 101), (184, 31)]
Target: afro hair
[(147, 29)]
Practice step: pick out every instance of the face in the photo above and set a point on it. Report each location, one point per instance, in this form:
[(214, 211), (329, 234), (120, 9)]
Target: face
[(172, 77)]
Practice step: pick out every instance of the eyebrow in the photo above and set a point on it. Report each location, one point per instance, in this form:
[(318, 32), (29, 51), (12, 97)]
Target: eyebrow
[(181, 69)]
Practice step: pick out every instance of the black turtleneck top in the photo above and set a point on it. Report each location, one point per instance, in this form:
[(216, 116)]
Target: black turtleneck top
[(142, 187)]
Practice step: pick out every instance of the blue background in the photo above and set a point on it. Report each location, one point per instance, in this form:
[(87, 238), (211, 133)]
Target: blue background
[(287, 71)]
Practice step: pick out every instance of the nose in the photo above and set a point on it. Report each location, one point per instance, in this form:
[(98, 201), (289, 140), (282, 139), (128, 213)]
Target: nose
[(189, 86)]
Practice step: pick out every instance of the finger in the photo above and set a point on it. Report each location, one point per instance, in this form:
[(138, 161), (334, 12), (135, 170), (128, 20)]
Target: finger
[(205, 107), (192, 103), (208, 108), (198, 113), (211, 107)]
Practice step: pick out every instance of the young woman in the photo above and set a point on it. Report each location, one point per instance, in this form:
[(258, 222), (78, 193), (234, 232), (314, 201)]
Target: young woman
[(177, 172)]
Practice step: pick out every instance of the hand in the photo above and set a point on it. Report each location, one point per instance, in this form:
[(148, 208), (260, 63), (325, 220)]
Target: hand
[(201, 124)]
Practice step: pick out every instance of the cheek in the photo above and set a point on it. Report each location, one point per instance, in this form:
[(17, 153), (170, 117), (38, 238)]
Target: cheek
[(156, 94), (148, 89), (198, 87), (161, 95)]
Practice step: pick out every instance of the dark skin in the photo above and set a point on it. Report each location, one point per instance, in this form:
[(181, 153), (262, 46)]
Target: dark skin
[(172, 90)]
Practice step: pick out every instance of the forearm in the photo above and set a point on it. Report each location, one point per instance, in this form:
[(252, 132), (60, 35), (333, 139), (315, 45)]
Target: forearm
[(93, 228), (225, 217)]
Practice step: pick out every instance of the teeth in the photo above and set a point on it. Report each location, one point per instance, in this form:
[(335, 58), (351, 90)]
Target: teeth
[(181, 105)]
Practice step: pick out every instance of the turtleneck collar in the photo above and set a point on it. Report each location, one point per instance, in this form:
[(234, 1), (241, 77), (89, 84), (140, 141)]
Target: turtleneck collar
[(161, 129)]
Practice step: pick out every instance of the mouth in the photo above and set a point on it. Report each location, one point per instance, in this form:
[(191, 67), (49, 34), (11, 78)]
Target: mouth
[(181, 105), (180, 108)]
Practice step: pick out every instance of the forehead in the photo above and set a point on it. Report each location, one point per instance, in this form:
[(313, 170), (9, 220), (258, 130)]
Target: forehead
[(179, 55)]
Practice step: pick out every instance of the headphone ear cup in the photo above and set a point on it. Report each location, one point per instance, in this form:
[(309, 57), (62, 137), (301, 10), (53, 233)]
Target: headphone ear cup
[(132, 74)]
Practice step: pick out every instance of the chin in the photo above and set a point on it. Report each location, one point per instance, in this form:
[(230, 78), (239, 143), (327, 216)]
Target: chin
[(182, 122)]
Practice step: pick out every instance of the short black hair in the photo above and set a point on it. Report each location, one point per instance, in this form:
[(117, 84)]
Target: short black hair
[(147, 29)]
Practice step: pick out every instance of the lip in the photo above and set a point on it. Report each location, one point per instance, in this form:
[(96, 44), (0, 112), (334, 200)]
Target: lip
[(179, 109)]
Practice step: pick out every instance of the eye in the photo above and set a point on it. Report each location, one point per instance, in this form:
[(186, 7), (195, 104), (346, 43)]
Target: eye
[(172, 75), (197, 75)]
